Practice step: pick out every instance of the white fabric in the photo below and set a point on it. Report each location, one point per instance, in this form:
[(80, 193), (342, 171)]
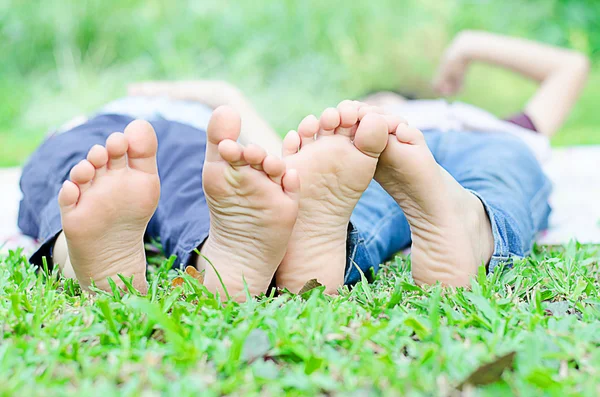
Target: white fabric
[(440, 115), (575, 200)]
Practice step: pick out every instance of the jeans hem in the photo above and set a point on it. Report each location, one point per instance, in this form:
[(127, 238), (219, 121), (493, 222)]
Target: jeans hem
[(499, 260), (45, 250), (356, 254), (501, 249), (185, 252)]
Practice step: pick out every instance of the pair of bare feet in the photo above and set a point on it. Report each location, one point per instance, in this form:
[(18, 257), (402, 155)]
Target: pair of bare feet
[(287, 217)]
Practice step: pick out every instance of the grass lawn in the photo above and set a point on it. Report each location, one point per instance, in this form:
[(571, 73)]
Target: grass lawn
[(531, 330)]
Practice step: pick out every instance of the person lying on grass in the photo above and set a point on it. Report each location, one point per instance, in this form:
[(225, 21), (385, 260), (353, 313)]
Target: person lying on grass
[(352, 188)]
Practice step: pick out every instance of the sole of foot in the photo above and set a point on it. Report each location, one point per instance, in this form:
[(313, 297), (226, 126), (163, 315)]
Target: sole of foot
[(106, 206), (451, 232), (336, 158), (253, 202)]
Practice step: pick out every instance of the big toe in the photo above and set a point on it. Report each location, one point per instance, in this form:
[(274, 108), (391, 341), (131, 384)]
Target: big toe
[(372, 135), (225, 123), (143, 144)]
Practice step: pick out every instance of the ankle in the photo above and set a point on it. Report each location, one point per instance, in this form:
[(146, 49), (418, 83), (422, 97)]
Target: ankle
[(131, 263), (322, 254), (480, 223), (232, 282)]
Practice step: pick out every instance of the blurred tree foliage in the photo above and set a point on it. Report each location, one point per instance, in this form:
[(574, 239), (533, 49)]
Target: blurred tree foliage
[(569, 23), (293, 57)]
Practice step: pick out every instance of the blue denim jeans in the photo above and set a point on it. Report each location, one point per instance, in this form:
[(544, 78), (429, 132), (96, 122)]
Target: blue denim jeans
[(498, 168)]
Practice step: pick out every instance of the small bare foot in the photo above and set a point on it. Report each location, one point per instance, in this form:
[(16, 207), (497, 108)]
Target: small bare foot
[(106, 206), (335, 169), (451, 232), (253, 206)]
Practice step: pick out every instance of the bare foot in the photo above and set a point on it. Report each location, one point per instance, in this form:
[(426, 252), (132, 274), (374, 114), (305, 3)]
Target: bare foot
[(106, 206), (335, 169), (451, 232), (253, 206)]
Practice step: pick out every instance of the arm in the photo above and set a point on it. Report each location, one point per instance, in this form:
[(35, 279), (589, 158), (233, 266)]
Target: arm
[(214, 94), (561, 73)]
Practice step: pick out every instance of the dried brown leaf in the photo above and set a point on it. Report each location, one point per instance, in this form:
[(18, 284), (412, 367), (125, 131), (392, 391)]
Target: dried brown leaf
[(177, 281), (490, 372), (310, 285), (192, 271)]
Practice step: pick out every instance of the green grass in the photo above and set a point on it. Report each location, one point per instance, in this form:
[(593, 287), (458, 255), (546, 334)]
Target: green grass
[(62, 58), (385, 338)]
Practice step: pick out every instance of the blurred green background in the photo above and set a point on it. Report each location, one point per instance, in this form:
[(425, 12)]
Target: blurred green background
[(62, 58)]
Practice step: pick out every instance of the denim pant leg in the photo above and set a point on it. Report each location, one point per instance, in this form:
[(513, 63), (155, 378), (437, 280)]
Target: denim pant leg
[(498, 168), (181, 221), (502, 171), (378, 230)]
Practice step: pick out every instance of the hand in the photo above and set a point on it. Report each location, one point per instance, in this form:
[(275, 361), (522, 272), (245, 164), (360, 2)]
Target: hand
[(209, 92), (453, 68)]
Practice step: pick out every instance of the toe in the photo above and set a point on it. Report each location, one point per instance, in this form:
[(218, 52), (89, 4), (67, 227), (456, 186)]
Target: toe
[(371, 135), (348, 111), (329, 121), (308, 129), (274, 168), (291, 184), (291, 143), (116, 146), (225, 123), (232, 152), (142, 146), (82, 175), (98, 157), (68, 195), (409, 135), (255, 155), (367, 109), (393, 122)]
